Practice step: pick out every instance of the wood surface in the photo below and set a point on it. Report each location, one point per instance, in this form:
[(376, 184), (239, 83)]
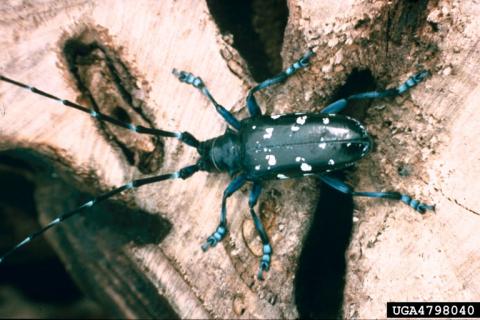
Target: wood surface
[(140, 255)]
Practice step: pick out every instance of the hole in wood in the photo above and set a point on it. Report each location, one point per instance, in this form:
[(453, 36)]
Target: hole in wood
[(93, 242), (108, 86), (257, 27), (34, 278), (320, 277), (405, 18)]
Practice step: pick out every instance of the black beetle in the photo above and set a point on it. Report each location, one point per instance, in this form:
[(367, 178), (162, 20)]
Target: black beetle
[(259, 148)]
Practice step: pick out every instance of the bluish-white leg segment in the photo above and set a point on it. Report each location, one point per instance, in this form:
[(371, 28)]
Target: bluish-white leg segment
[(197, 82), (221, 230), (339, 105), (252, 105), (345, 188), (267, 249), (183, 173)]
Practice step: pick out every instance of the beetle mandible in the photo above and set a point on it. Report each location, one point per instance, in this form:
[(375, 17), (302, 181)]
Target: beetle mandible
[(259, 148)]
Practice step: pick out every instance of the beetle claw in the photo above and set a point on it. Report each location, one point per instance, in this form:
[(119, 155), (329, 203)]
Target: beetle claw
[(264, 267), (423, 207), (211, 242), (260, 274), (305, 60), (216, 237), (265, 262), (421, 75)]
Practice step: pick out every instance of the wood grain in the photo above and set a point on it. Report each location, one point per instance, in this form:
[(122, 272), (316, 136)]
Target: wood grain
[(160, 271)]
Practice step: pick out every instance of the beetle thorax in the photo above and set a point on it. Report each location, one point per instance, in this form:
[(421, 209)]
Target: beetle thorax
[(223, 152)]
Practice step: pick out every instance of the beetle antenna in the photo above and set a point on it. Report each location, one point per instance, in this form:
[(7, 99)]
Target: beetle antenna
[(185, 137), (183, 173)]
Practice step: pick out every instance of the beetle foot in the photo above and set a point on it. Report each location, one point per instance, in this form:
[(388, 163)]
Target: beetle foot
[(417, 205), (413, 81), (420, 76), (189, 78), (265, 262), (299, 64), (305, 60), (216, 237)]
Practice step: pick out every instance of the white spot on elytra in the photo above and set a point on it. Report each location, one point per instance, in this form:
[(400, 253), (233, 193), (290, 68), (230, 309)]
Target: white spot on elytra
[(322, 145), (301, 120), (305, 167), (281, 176), (326, 121), (257, 167), (349, 144), (276, 116), (271, 159), (298, 159), (331, 162), (268, 133), (295, 128), (254, 127)]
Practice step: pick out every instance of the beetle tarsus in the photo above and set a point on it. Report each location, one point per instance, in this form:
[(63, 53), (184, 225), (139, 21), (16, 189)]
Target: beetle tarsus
[(210, 243), (412, 81), (252, 105), (264, 267), (198, 83), (305, 60), (417, 205), (215, 238), (265, 261)]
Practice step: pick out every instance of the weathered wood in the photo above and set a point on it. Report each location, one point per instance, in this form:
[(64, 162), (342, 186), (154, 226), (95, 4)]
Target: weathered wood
[(394, 254), (432, 133), (119, 271)]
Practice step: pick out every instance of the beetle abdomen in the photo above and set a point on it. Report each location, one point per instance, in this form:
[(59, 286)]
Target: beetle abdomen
[(293, 145)]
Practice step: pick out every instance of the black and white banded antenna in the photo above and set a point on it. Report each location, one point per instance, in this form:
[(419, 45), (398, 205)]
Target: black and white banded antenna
[(183, 173), (185, 137)]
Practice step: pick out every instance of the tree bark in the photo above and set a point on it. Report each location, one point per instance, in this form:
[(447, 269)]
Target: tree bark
[(140, 255)]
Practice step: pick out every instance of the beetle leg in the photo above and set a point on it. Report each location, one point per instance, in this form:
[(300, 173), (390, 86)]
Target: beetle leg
[(252, 105), (221, 230), (197, 82), (345, 188), (411, 82), (267, 249)]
